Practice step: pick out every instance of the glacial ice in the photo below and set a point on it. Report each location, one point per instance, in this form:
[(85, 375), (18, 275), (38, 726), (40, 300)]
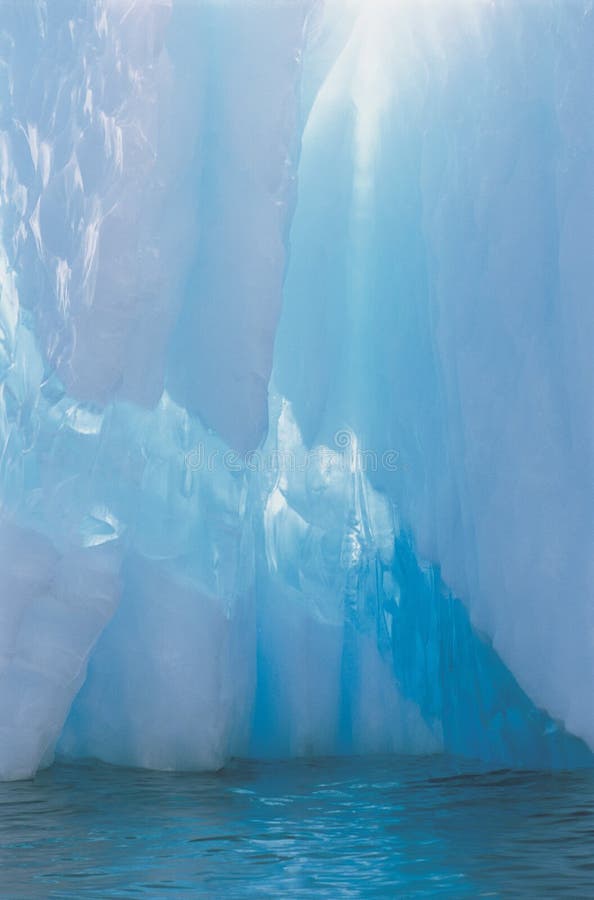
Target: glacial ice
[(295, 380)]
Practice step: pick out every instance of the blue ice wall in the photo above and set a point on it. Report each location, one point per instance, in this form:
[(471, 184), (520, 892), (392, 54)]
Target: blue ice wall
[(295, 382), (438, 304)]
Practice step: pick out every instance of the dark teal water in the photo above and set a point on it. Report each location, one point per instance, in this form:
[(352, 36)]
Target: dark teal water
[(352, 828)]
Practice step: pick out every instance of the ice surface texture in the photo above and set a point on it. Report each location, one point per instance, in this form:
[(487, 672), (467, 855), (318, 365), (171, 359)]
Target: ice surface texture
[(316, 232)]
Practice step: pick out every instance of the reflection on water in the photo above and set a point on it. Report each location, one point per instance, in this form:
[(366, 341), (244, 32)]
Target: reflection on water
[(388, 827)]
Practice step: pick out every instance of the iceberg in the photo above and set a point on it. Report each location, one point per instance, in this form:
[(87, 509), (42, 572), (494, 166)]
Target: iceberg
[(295, 381)]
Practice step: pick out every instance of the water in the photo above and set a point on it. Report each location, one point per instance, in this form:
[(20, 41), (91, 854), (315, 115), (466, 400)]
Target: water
[(332, 828)]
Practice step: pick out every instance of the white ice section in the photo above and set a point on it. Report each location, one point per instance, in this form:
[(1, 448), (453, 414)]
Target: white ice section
[(89, 161), (439, 302), (172, 682), (248, 149), (54, 605)]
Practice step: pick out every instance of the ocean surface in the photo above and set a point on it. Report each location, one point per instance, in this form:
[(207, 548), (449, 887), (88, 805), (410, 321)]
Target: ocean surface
[(354, 828)]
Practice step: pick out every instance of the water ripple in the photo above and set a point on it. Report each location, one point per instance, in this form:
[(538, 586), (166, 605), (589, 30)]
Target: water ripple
[(331, 828)]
